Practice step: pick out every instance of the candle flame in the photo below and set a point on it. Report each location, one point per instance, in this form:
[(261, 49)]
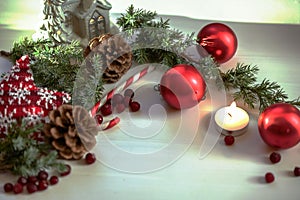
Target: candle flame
[(231, 109), (233, 104)]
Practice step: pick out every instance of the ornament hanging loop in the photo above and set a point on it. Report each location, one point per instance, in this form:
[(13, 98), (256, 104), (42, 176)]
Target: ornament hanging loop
[(156, 87)]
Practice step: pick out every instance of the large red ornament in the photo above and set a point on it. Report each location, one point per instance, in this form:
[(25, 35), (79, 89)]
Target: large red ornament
[(279, 125), (182, 86), (20, 98), (218, 40)]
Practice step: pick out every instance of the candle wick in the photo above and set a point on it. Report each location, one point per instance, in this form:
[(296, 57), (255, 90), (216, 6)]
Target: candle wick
[(229, 114)]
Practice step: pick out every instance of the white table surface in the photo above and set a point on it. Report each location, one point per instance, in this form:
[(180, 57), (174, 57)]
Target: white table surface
[(234, 172)]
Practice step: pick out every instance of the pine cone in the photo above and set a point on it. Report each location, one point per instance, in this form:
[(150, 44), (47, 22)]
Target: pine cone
[(71, 131), (116, 53)]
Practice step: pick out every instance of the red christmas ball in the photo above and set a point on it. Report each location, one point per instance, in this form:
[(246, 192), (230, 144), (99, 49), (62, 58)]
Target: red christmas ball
[(182, 86), (218, 40), (279, 125)]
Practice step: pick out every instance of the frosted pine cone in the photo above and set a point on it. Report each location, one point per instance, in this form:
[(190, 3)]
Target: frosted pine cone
[(116, 53), (71, 131)]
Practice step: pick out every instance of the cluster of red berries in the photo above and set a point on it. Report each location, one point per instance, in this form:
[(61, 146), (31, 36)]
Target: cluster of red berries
[(34, 183), (42, 180), (275, 157), (118, 103)]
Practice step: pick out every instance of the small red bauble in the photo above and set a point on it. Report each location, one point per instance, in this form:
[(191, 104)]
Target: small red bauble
[(182, 86), (269, 177), (22, 180), (229, 140), (275, 157), (106, 109), (53, 180), (117, 99), (129, 93), (32, 179), (99, 119), (8, 187), (90, 158), (218, 40), (42, 185), (127, 100), (31, 188), (279, 125), (297, 171), (134, 106), (18, 188), (43, 175)]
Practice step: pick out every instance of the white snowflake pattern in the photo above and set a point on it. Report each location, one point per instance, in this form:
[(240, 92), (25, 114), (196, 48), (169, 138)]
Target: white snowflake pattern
[(34, 116), (19, 93), (46, 95)]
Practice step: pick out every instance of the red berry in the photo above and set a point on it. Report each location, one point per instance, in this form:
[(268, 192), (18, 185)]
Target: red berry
[(127, 100), (42, 185), (269, 177), (106, 109), (18, 188), (90, 158), (32, 179), (22, 180), (297, 171), (129, 93), (117, 99), (31, 188), (53, 180), (8, 187), (67, 172), (275, 157), (2, 135), (99, 119), (120, 108), (135, 106), (42, 175), (229, 140)]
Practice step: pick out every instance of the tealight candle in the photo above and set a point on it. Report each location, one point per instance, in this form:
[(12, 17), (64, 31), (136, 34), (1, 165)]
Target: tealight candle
[(232, 119)]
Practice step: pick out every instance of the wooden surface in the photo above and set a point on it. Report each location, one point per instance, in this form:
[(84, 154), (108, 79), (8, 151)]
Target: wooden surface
[(227, 172)]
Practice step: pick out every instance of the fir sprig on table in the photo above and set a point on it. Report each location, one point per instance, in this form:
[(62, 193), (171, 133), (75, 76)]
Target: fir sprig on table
[(243, 78), (23, 155), (172, 41)]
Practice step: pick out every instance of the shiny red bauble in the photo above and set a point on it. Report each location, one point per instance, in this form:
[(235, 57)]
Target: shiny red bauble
[(218, 40), (279, 125), (182, 86)]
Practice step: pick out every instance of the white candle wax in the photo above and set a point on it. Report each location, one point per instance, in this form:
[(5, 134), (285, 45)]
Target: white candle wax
[(232, 118)]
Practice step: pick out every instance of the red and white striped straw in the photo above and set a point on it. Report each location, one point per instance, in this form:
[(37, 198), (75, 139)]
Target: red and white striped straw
[(111, 123)]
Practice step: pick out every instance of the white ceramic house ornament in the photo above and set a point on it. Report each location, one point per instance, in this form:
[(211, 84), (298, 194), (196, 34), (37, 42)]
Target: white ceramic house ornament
[(88, 19), (67, 20)]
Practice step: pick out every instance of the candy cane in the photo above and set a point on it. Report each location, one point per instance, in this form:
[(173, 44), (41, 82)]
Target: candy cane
[(110, 94), (109, 124)]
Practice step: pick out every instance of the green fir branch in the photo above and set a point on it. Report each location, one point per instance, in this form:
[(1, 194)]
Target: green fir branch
[(23, 155), (243, 78), (173, 42)]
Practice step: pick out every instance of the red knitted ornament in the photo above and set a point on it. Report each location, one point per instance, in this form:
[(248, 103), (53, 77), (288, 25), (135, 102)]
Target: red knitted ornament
[(21, 98)]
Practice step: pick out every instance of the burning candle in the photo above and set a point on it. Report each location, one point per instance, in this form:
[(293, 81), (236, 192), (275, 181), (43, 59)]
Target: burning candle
[(232, 118)]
